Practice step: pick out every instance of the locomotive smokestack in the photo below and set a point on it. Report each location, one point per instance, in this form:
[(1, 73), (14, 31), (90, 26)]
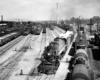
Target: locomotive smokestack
[(1, 17)]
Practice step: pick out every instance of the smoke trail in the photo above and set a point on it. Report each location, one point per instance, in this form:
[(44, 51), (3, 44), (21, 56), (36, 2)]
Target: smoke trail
[(76, 8)]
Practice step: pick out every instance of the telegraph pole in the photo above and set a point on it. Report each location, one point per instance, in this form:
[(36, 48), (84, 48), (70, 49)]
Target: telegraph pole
[(79, 23), (97, 27)]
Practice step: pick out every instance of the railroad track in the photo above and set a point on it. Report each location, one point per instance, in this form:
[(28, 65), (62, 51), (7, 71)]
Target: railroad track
[(58, 31), (43, 41), (10, 45), (61, 31), (45, 77), (51, 35), (37, 62), (7, 67), (46, 43), (6, 61), (55, 32), (48, 32), (32, 73), (40, 75)]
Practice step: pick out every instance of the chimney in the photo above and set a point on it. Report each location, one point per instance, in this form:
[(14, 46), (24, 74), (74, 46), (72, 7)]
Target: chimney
[(1, 17)]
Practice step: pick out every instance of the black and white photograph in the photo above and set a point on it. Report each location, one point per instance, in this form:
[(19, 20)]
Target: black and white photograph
[(49, 39)]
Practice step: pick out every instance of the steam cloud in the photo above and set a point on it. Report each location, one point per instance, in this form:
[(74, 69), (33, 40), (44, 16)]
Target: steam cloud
[(76, 8)]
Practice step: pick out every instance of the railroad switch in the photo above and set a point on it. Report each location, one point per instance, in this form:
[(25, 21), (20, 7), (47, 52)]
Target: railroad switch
[(21, 72)]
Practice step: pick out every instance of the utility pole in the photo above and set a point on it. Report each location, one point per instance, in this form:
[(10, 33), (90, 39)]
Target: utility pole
[(97, 27), (79, 23)]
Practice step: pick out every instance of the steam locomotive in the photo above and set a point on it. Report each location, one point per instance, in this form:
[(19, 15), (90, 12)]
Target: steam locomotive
[(52, 55)]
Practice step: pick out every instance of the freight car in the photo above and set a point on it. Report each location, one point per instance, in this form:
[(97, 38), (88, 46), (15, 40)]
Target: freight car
[(36, 30), (96, 40), (82, 28), (80, 66), (2, 29), (8, 38), (25, 32), (81, 41), (80, 72), (82, 57), (81, 49), (50, 58), (51, 27), (44, 29)]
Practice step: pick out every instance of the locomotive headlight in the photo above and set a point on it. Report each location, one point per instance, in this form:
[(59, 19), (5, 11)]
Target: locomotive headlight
[(49, 54)]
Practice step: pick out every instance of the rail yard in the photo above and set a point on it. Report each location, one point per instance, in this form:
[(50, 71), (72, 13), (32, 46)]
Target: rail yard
[(48, 51), (49, 39)]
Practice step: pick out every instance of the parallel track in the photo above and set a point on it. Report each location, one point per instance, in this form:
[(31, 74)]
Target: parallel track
[(51, 35), (10, 45), (56, 33), (40, 76), (43, 41), (7, 66), (61, 31), (45, 77)]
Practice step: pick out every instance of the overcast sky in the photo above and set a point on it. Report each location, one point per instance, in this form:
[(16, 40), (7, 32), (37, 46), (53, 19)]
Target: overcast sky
[(46, 9)]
